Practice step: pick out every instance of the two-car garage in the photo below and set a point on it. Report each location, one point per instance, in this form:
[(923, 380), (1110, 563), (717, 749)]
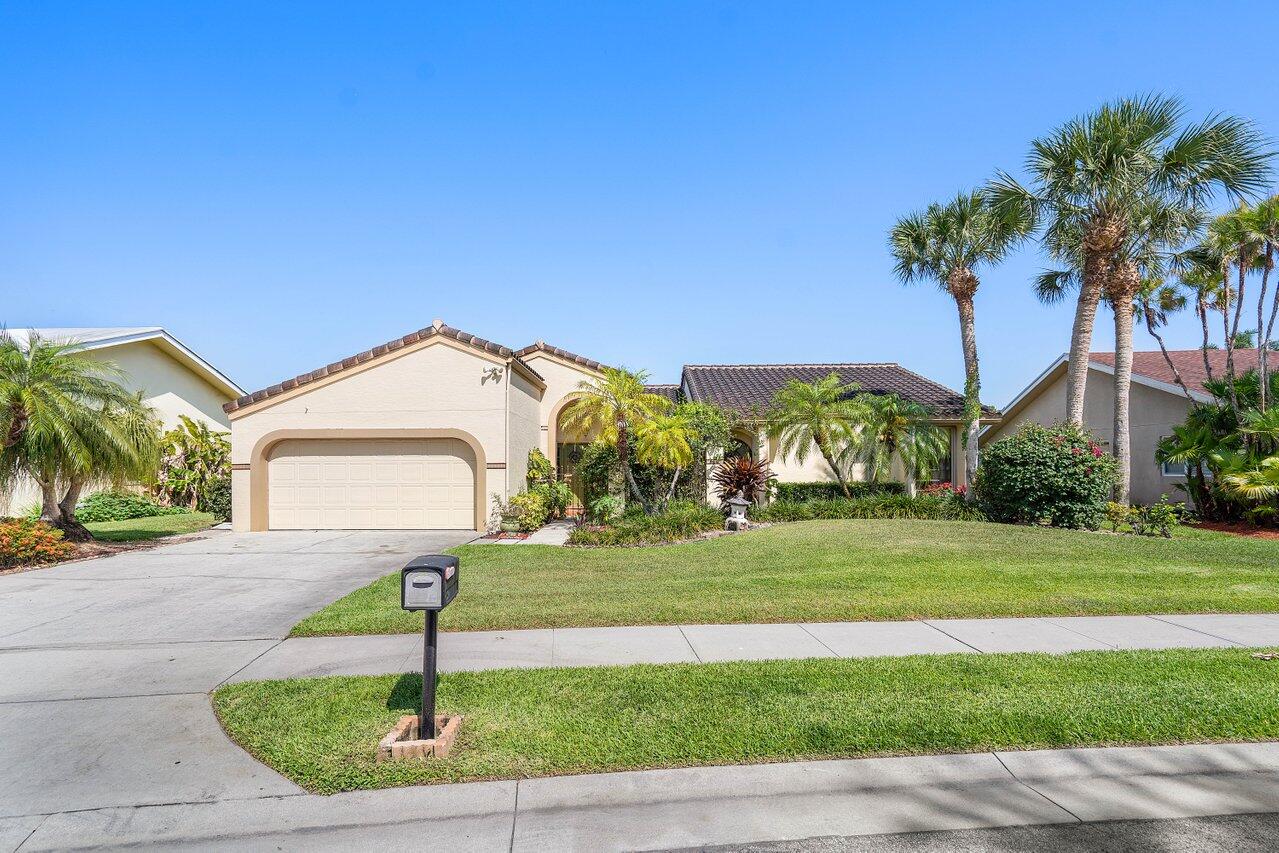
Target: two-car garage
[(371, 484)]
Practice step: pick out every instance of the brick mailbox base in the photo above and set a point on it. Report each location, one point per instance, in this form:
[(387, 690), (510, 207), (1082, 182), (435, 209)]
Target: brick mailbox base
[(403, 742)]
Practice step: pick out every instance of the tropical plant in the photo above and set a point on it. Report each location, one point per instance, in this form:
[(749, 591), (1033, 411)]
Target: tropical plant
[(1232, 241), (604, 509), (66, 423), (529, 510), (1156, 301), (822, 414), (680, 520), (1263, 222), (743, 476), (120, 506), (612, 406), (825, 491), (666, 442), (195, 460), (948, 245), (896, 428), (1093, 175)]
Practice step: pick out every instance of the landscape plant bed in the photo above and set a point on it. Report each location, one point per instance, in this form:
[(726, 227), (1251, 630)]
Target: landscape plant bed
[(323, 733), (831, 571)]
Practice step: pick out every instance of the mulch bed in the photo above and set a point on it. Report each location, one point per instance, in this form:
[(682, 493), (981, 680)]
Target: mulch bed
[(1240, 529), (95, 549)]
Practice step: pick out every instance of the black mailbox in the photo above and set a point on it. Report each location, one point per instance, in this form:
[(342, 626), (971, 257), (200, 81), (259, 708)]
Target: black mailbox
[(429, 582)]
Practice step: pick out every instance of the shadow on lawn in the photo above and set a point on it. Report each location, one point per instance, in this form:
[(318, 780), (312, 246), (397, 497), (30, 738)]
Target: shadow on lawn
[(406, 695)]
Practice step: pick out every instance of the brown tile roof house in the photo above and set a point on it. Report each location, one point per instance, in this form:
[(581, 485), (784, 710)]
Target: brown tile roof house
[(749, 388), (1189, 362), (670, 392)]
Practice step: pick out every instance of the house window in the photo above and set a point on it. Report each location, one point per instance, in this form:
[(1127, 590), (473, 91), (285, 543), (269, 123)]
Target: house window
[(943, 472), (1174, 469)]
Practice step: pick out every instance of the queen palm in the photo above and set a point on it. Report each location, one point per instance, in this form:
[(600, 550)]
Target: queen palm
[(66, 423), (899, 429), (822, 414), (611, 406), (1263, 221), (1092, 175), (948, 245), (665, 441)]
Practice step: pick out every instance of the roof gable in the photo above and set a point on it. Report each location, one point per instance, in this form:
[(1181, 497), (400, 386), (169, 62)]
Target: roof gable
[(545, 349), (436, 330)]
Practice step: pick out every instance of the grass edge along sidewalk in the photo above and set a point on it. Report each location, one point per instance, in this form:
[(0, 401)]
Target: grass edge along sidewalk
[(832, 571), (321, 733)]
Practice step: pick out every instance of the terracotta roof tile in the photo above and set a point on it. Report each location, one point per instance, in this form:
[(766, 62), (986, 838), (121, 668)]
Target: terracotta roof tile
[(560, 353), (750, 388), (376, 352), (1189, 362)]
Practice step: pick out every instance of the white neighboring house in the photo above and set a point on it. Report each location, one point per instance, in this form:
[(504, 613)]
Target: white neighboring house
[(172, 378)]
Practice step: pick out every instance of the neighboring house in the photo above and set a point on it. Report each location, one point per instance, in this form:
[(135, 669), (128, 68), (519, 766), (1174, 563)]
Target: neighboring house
[(429, 430), (1156, 404), (172, 378)]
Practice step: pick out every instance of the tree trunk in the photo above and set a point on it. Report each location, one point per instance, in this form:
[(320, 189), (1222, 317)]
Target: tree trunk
[(624, 459), (1123, 382), (1163, 348), (670, 493), (1201, 307), (1263, 331), (912, 487), (50, 510), (1230, 338), (972, 389), (823, 445), (1081, 335)]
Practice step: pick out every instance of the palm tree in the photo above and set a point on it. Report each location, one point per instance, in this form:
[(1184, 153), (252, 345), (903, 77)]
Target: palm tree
[(1198, 270), (948, 244), (898, 429), (1155, 302), (1091, 176), (1263, 222), (195, 459), (821, 414), (1233, 243), (665, 441), (67, 424), (612, 406)]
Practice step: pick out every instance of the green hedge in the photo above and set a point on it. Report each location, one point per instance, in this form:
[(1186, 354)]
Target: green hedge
[(681, 520), (120, 506), (923, 507), (796, 492)]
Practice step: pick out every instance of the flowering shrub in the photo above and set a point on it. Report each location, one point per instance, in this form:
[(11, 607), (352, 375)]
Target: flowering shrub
[(27, 542), (1055, 475), (944, 489)]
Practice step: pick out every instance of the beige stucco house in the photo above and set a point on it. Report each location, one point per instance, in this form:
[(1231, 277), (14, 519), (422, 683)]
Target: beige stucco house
[(1157, 403), (172, 378), (432, 429)]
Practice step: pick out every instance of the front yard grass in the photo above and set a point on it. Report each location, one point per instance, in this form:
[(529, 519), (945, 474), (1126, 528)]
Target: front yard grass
[(151, 527), (823, 571), (322, 733)]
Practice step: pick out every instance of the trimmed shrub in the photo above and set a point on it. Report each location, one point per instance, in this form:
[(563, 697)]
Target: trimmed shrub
[(529, 510), (942, 507), (681, 520), (120, 506), (26, 542), (832, 491), (217, 499), (1056, 475)]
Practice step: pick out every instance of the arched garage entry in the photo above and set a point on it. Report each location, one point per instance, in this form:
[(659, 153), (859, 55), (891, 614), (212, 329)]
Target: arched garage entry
[(367, 480)]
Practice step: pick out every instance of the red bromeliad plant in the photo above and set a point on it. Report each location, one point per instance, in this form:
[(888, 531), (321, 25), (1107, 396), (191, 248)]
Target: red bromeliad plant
[(744, 475)]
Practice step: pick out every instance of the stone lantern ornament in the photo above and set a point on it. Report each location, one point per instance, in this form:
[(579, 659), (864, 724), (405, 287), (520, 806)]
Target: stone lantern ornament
[(737, 513)]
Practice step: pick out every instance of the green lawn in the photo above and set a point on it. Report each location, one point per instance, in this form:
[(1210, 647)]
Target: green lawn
[(322, 733), (152, 527), (833, 571)]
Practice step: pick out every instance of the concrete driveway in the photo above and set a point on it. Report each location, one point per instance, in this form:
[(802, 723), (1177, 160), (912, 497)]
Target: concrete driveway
[(105, 664)]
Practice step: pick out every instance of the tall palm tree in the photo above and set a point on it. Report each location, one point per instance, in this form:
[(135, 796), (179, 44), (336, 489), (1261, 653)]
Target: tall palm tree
[(1263, 222), (821, 414), (948, 244), (612, 406), (1091, 175), (1198, 270), (667, 442), (1236, 246), (898, 429), (1156, 301), (66, 423)]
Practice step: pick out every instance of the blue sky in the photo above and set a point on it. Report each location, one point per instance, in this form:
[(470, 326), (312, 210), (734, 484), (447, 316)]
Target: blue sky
[(649, 184)]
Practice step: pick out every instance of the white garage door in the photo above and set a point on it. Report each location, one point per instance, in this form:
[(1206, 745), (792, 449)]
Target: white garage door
[(372, 484)]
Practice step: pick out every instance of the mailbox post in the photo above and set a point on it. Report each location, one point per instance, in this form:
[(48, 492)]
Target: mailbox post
[(429, 583)]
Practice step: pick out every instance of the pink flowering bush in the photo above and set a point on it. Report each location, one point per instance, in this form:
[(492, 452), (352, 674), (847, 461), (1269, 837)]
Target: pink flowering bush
[(1056, 475)]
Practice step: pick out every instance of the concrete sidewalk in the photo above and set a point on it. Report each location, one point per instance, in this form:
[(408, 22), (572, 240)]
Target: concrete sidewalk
[(477, 650), (698, 807)]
